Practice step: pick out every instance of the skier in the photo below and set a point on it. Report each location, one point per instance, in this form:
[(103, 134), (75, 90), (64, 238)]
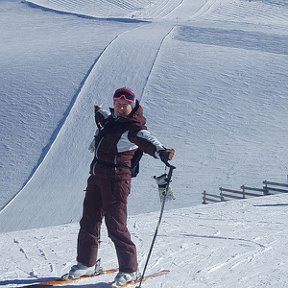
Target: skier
[(120, 134)]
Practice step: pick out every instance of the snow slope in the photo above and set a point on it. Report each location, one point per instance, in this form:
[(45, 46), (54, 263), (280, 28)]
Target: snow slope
[(238, 243), (220, 83), (212, 78), (40, 82)]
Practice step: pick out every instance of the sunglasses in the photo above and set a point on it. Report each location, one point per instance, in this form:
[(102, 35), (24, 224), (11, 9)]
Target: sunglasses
[(125, 96)]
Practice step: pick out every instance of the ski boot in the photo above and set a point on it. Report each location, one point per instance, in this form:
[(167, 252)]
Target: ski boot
[(79, 270), (123, 278)]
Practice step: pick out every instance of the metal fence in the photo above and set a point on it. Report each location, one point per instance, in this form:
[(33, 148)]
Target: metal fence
[(269, 188)]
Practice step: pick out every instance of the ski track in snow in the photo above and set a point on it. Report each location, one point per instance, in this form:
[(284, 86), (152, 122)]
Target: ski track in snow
[(246, 251), (92, 78), (208, 247), (239, 244), (92, 74), (122, 10), (62, 122), (158, 9), (249, 250), (207, 8), (163, 9)]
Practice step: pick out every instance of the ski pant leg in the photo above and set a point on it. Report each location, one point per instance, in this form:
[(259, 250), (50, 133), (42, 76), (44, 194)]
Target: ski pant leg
[(116, 222), (90, 224)]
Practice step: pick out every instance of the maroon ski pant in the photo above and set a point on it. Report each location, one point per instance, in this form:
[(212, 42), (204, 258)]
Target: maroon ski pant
[(106, 197)]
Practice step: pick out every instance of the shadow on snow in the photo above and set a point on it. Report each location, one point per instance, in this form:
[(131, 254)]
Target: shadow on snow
[(259, 41)]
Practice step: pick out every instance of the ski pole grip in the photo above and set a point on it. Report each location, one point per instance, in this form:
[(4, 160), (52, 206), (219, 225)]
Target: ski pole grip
[(169, 165)]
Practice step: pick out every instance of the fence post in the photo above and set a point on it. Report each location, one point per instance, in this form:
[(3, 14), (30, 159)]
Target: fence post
[(243, 191), (204, 197), (266, 192), (221, 194)]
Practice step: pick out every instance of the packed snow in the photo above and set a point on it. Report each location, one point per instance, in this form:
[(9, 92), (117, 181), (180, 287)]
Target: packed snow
[(211, 76), (237, 243)]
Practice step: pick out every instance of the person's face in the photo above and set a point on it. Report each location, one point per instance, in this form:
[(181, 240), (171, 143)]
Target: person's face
[(122, 107)]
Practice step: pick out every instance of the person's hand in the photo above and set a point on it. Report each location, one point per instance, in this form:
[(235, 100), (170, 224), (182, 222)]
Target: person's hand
[(167, 154), (98, 107)]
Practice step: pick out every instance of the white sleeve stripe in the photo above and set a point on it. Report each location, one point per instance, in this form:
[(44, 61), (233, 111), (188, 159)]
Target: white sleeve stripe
[(124, 144), (145, 134)]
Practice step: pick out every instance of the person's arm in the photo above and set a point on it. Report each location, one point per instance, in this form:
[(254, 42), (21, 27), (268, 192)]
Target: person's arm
[(150, 144), (100, 115)]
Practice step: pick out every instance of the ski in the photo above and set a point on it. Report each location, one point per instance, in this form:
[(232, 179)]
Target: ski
[(148, 277), (60, 282)]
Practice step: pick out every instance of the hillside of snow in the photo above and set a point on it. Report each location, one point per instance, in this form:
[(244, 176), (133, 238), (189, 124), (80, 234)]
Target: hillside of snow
[(238, 243), (211, 77)]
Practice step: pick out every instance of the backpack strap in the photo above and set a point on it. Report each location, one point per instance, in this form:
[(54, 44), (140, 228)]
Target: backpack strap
[(135, 162)]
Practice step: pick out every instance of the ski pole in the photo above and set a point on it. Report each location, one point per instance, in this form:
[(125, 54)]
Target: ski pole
[(169, 176)]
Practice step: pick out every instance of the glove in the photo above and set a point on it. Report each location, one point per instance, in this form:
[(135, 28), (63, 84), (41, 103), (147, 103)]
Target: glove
[(97, 107), (92, 145), (166, 155), (164, 187), (169, 192)]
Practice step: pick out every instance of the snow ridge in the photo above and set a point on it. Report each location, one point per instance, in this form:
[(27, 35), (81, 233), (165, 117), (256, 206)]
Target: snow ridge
[(55, 134), (112, 9)]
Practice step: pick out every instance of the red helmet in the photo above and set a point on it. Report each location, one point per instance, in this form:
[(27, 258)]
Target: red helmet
[(125, 93)]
